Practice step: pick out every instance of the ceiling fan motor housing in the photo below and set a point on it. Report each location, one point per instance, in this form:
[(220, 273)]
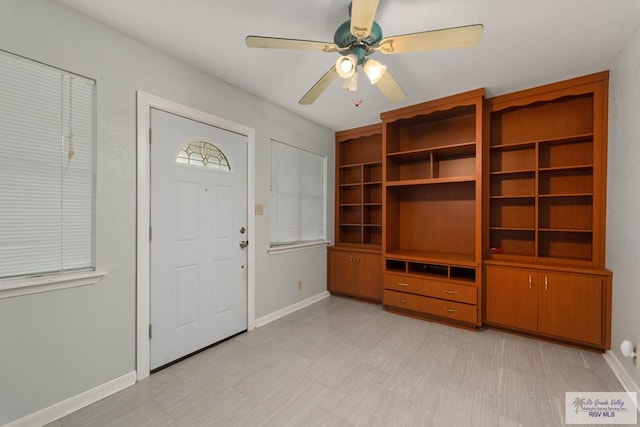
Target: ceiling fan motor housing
[(360, 48)]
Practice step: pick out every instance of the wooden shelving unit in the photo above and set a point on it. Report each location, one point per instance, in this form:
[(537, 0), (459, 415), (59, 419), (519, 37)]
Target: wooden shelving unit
[(471, 211), (355, 261), (359, 187), (432, 190), (545, 172)]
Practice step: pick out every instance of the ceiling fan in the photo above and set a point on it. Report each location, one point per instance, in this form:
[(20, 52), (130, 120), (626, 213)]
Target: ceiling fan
[(359, 37)]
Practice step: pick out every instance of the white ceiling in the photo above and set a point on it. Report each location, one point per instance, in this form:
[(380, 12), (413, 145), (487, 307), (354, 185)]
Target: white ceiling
[(525, 43)]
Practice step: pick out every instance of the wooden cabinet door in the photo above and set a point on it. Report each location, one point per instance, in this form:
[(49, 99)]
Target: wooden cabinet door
[(511, 298), (368, 277), (571, 306), (341, 272)]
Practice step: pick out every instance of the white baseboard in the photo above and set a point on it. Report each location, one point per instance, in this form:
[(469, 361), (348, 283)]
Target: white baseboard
[(288, 310), (621, 374), (72, 404)]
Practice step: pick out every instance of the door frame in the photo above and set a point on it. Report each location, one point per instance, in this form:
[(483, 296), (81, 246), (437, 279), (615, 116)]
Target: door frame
[(145, 102)]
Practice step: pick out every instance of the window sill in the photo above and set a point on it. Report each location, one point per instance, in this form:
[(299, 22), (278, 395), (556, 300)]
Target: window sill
[(282, 249), (45, 283)]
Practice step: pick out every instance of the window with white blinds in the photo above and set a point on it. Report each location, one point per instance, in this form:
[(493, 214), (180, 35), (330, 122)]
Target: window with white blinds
[(46, 169), (298, 195)]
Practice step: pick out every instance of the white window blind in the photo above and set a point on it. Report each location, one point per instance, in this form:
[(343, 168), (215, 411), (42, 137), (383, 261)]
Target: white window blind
[(298, 196), (46, 169)]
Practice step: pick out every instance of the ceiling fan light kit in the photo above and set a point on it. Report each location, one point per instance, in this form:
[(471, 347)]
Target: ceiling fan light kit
[(346, 66), (351, 84), (359, 37), (374, 70)]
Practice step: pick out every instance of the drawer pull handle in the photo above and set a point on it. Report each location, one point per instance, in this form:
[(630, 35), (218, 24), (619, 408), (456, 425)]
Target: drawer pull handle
[(403, 301), (404, 285), (451, 292), (452, 310)]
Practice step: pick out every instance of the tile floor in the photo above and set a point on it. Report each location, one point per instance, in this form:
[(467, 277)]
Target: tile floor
[(342, 362)]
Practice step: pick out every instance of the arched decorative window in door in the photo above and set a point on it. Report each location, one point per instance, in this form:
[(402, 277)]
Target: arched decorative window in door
[(203, 154)]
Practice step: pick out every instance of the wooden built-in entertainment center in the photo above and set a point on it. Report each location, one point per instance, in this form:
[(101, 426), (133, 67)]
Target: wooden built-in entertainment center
[(475, 211)]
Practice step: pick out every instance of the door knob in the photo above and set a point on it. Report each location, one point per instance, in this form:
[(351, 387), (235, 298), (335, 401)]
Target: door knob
[(244, 244)]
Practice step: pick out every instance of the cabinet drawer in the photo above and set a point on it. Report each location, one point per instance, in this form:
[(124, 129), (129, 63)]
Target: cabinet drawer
[(436, 307), (430, 288)]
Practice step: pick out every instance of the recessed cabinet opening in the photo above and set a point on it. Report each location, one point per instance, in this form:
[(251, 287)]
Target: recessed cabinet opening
[(396, 266), (372, 214), (372, 173), (463, 274), (513, 213), (512, 242), (432, 131), (436, 220), (563, 182), (372, 194), (349, 194), (512, 184), (350, 175), (350, 214), (430, 270), (564, 117), (565, 245), (567, 152), (350, 234), (360, 150)]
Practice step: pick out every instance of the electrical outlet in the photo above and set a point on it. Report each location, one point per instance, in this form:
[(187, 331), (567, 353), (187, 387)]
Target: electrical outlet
[(259, 209), (299, 285)]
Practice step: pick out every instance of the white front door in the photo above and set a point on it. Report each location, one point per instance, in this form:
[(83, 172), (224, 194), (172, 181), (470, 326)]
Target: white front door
[(198, 221)]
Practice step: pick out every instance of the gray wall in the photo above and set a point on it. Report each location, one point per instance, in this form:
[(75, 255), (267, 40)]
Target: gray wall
[(58, 344), (623, 222)]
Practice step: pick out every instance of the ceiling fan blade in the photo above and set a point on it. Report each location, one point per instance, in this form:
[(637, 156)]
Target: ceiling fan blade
[(280, 43), (320, 86), (363, 12), (390, 88), (447, 38)]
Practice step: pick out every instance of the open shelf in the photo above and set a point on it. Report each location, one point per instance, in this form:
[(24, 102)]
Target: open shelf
[(566, 245), (372, 173), (435, 218), (430, 181), (429, 165), (359, 187), (466, 260), (510, 213), (436, 270), (448, 150), (541, 179)]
